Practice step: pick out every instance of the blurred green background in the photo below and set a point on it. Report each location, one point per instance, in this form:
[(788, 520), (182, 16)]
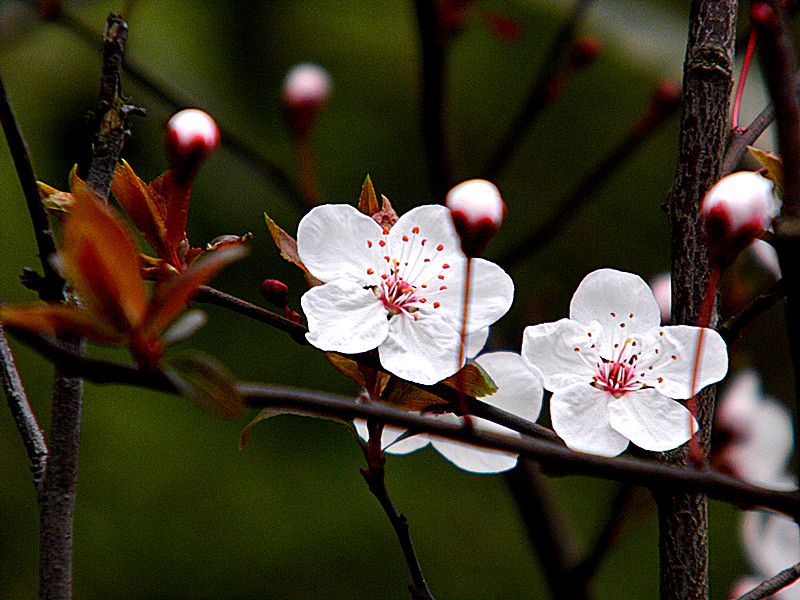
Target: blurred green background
[(168, 507)]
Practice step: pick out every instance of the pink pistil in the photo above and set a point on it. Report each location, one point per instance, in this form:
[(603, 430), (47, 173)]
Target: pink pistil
[(618, 377)]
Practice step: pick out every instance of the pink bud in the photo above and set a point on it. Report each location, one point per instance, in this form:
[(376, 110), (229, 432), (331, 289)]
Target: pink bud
[(737, 209), (191, 136), (275, 292), (477, 210), (306, 88), (661, 286)]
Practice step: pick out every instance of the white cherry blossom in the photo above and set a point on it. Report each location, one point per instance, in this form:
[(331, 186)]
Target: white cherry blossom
[(615, 372), (771, 543), (519, 392), (399, 290)]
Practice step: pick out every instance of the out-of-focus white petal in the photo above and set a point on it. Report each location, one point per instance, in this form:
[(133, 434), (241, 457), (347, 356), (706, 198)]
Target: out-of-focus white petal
[(651, 421)]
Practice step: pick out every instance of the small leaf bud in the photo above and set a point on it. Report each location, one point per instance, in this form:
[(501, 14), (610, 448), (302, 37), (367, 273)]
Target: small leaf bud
[(737, 209), (477, 210), (191, 136), (306, 88)]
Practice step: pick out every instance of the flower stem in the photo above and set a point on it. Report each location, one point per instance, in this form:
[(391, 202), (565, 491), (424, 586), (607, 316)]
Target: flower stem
[(463, 402), (748, 57)]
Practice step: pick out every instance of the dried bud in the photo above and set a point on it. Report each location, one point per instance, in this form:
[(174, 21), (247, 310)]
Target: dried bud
[(737, 209), (477, 211), (191, 136), (305, 91), (584, 52)]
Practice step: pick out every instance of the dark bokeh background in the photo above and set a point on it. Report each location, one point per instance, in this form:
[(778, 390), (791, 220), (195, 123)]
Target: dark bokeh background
[(168, 506)]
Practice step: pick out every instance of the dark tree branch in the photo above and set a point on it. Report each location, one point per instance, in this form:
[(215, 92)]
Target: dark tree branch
[(24, 417), (549, 529), (707, 83), (772, 585), (662, 106), (432, 46), (778, 60), (541, 93)]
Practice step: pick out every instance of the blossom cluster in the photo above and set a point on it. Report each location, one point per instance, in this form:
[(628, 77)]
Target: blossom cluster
[(615, 373)]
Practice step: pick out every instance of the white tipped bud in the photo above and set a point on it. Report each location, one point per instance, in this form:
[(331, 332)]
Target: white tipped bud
[(306, 89), (191, 136), (737, 209), (766, 256), (661, 286), (477, 210)]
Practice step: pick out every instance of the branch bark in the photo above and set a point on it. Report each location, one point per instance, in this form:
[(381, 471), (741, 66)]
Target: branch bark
[(707, 83)]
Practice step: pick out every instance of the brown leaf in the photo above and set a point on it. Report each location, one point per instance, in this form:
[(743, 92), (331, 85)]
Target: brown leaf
[(368, 202), (175, 194), (146, 210), (773, 164), (52, 320), (386, 217), (208, 383)]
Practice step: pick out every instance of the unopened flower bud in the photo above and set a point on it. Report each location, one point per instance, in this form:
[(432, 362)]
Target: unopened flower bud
[(305, 91), (477, 210), (661, 286), (737, 209), (584, 52), (191, 136), (275, 292)]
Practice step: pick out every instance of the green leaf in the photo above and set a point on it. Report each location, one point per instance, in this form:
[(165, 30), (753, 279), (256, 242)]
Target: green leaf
[(201, 379), (472, 380), (773, 164), (368, 202)]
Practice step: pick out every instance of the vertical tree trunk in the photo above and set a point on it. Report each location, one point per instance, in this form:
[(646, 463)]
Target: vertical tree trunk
[(683, 518)]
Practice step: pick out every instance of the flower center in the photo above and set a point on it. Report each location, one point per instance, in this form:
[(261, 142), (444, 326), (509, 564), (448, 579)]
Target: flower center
[(618, 376), (407, 271)]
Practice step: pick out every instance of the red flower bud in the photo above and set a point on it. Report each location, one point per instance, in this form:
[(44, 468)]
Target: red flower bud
[(276, 293), (305, 91), (737, 209), (191, 136), (477, 211)]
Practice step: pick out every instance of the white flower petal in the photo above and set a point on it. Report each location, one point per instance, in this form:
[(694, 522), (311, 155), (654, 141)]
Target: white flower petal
[(332, 242), (519, 389), (651, 421), (435, 225), (621, 302), (771, 542), (474, 458), (475, 342), (550, 348), (667, 362), (580, 417), (423, 351), (390, 436), (344, 317)]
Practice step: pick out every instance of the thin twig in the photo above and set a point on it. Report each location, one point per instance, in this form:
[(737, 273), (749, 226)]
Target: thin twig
[(375, 476), (662, 107), (52, 286), (541, 93), (272, 173), (773, 584), (24, 417), (731, 329), (432, 45)]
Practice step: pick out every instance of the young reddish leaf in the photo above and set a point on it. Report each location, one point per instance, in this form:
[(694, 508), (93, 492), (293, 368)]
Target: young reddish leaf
[(386, 217), (773, 164), (285, 243), (51, 320), (368, 202), (171, 297), (102, 263), (145, 209), (207, 383), (175, 198)]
